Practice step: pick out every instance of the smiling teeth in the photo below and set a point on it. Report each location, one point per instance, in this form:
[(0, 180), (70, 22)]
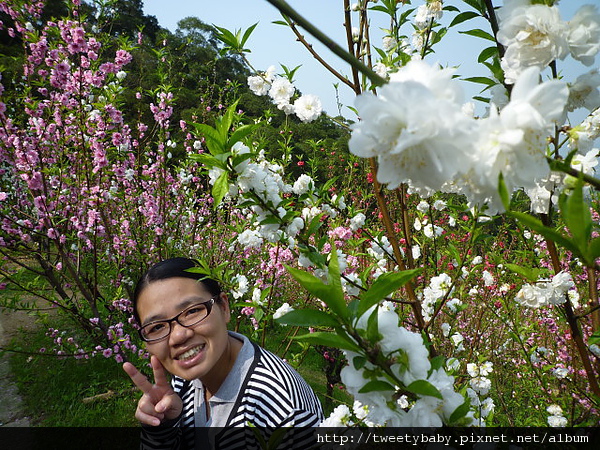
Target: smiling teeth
[(190, 353)]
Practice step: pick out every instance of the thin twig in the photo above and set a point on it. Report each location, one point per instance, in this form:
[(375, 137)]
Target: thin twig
[(318, 57), (287, 10)]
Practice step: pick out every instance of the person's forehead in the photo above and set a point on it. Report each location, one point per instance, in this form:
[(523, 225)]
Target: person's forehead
[(164, 298)]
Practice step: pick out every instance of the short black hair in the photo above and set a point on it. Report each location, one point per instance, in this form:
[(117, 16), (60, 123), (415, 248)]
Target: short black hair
[(173, 268)]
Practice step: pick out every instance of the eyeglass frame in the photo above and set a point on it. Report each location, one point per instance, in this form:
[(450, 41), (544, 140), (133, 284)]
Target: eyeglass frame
[(207, 304)]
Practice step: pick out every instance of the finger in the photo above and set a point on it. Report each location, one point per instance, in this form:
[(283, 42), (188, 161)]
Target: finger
[(148, 419), (137, 377), (170, 405), (160, 375)]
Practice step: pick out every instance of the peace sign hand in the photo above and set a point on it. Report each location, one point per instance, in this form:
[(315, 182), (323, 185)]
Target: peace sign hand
[(159, 402)]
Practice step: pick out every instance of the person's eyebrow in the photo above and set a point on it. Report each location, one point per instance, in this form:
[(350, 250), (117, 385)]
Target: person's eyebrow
[(181, 306)]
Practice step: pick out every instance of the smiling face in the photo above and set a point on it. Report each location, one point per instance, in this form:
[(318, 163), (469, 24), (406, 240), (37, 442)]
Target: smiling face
[(203, 351)]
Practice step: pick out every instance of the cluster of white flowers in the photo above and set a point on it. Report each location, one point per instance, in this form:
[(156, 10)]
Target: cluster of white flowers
[(584, 135), (546, 292), (307, 107), (535, 35), (357, 221), (417, 130), (480, 387), (242, 286), (556, 418), (339, 417), (428, 12), (412, 364), (380, 248), (438, 288)]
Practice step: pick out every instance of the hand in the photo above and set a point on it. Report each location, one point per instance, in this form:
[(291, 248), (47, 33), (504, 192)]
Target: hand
[(159, 401)]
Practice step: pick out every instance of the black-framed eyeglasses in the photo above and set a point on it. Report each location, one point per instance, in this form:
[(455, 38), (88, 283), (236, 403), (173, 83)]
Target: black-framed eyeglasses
[(193, 315)]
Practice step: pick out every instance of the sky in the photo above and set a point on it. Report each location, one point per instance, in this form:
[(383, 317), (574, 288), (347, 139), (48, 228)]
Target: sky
[(273, 44)]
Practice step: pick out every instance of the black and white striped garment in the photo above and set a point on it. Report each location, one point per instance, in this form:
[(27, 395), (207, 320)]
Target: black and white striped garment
[(272, 397)]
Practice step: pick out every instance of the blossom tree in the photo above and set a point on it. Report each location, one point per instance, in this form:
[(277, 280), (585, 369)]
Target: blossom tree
[(423, 141)]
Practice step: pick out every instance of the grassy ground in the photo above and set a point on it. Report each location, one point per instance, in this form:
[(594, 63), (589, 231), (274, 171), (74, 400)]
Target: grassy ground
[(54, 390)]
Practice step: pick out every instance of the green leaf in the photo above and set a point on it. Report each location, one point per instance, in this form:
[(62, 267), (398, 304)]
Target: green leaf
[(503, 192), (220, 188), (576, 214), (462, 17), (482, 80), (308, 318), (530, 274), (460, 412), (383, 286), (240, 133), (376, 385), (549, 233), (373, 334), (214, 142), (208, 160), (480, 34), (225, 36), (226, 120), (594, 338), (337, 302), (487, 53), (359, 362), (247, 34), (329, 340), (477, 4), (437, 362), (328, 294), (594, 249), (424, 387), (450, 8)]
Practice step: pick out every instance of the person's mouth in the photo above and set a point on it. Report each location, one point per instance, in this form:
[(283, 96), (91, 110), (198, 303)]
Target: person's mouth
[(189, 354)]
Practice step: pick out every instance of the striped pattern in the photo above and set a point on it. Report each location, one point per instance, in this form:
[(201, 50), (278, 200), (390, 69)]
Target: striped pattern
[(272, 396)]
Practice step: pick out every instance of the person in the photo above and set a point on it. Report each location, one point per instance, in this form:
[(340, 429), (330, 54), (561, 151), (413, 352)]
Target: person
[(220, 379)]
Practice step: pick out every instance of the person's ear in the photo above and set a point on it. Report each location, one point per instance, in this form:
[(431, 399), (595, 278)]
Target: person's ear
[(224, 305)]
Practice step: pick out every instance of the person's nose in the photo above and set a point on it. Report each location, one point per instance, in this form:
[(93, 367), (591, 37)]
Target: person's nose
[(179, 333)]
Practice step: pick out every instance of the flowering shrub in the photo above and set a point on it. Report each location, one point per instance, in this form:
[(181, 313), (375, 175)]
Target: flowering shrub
[(453, 172), (87, 199)]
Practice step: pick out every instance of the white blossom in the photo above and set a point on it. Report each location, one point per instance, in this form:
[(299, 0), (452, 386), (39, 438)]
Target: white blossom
[(584, 93), (513, 142), (488, 278), (584, 34), (281, 90), (357, 221), (258, 85), (302, 184), (340, 417), (249, 239), (242, 286), (282, 311), (389, 43), (423, 206), (586, 163), (560, 372), (427, 12), (414, 127), (534, 36), (381, 69), (295, 226), (308, 108)]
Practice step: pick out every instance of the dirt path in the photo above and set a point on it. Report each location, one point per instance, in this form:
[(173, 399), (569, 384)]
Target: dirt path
[(11, 405)]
